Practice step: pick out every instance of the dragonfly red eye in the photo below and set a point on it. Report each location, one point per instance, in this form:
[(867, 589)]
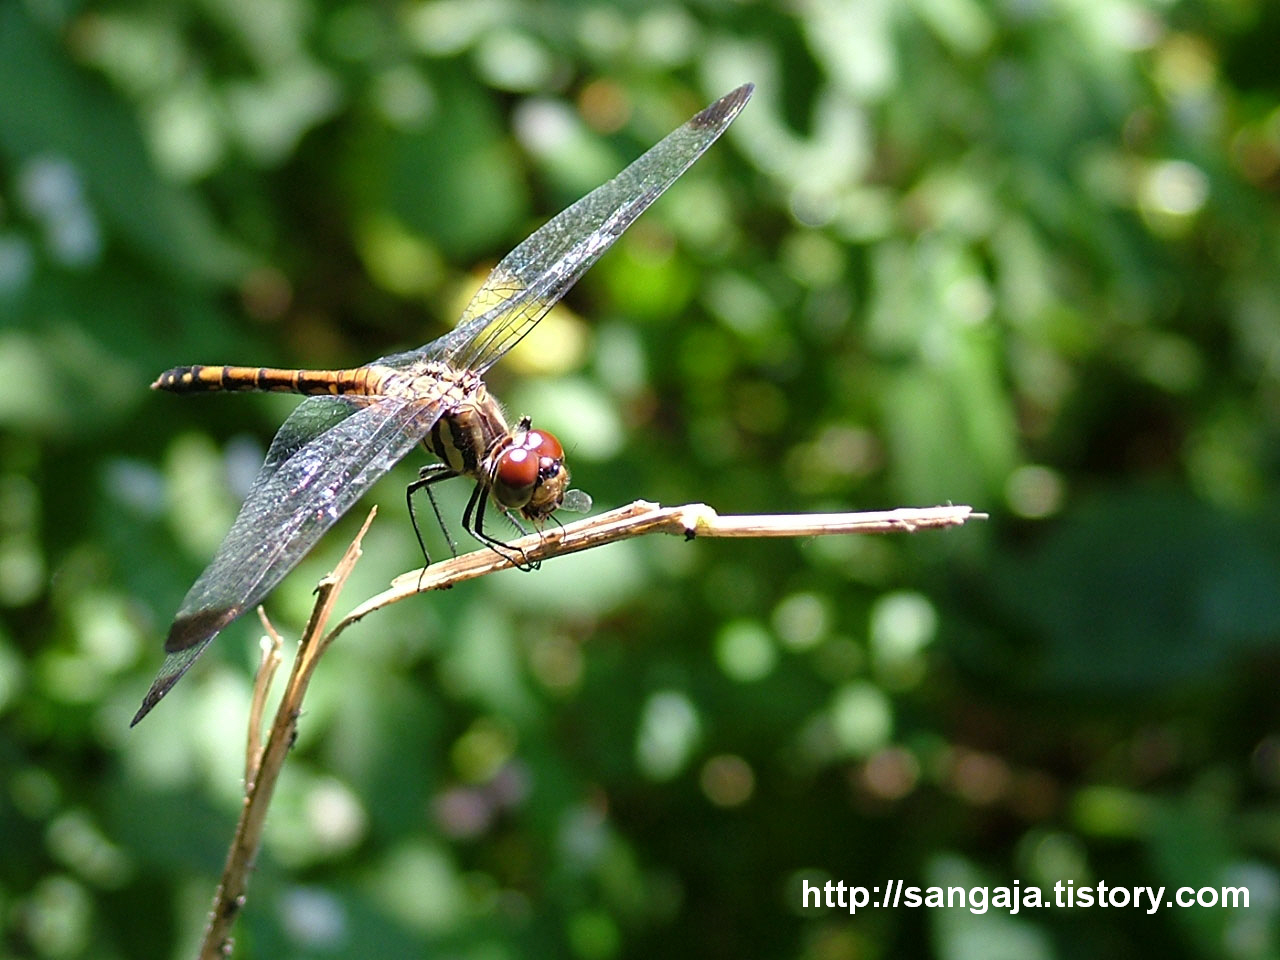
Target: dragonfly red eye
[(530, 474), (516, 476), (545, 444)]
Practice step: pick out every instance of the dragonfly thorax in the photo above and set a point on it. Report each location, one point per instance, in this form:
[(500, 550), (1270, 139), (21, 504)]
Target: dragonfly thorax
[(523, 468)]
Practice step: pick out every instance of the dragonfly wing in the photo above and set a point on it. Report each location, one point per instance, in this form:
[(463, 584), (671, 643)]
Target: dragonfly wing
[(402, 361), (326, 455), (537, 273)]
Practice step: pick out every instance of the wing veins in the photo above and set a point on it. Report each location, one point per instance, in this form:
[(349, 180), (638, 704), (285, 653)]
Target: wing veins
[(271, 533), (533, 277)]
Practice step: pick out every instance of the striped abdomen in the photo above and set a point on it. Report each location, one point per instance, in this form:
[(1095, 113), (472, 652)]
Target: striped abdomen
[(199, 379)]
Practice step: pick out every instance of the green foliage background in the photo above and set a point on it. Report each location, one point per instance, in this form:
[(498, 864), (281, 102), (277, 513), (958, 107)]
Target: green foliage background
[(1017, 255)]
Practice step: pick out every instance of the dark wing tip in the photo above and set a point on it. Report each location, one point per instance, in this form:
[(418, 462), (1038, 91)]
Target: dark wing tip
[(188, 637), (725, 109), (198, 628)]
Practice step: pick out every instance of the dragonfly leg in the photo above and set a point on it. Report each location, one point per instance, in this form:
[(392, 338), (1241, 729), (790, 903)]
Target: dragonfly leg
[(473, 521), (430, 474)]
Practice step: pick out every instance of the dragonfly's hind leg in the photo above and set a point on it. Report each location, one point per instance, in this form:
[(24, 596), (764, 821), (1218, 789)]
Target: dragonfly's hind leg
[(431, 474)]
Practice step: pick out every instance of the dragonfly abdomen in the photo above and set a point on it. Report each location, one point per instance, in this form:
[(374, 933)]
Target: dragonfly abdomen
[(201, 379)]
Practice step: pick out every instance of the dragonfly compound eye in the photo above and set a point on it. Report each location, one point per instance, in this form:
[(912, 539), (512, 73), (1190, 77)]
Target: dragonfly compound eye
[(553, 476), (516, 476), (545, 444)]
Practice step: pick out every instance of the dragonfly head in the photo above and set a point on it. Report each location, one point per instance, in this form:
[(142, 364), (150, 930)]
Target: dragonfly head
[(529, 475)]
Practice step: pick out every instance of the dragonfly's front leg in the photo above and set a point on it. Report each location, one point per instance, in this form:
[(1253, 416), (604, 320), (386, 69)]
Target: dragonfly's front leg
[(473, 522)]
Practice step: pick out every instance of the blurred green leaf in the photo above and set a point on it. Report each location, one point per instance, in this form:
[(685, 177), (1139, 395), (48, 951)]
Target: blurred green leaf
[(47, 107), (1100, 611)]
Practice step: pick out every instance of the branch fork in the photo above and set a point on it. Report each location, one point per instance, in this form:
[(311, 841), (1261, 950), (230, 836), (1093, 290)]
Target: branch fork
[(263, 763)]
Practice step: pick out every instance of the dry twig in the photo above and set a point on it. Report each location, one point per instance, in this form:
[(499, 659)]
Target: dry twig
[(642, 517), (636, 519), (268, 664), (258, 790)]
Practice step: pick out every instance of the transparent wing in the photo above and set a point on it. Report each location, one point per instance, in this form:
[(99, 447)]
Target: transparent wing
[(406, 360), (327, 454), (533, 276)]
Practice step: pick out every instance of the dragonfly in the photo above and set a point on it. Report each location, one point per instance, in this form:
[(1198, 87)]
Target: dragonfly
[(356, 424)]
